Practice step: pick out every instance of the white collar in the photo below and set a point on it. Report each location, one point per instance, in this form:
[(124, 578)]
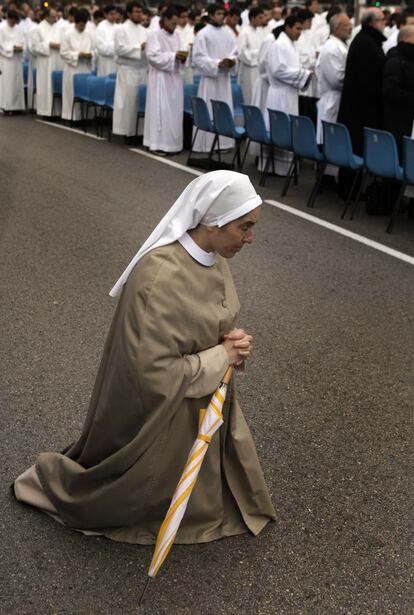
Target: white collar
[(201, 256)]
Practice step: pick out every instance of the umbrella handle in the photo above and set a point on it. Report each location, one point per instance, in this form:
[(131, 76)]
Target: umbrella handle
[(227, 376)]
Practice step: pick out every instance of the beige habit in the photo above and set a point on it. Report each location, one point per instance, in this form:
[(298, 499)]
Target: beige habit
[(162, 360)]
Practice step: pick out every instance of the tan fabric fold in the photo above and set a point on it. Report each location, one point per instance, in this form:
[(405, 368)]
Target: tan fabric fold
[(119, 477)]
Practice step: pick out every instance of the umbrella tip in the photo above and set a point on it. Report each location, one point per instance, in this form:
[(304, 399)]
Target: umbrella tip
[(141, 600)]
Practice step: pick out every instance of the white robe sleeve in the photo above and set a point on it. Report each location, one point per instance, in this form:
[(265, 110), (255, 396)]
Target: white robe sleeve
[(6, 48), (280, 69), (161, 60), (208, 367), (70, 55), (39, 46), (104, 45), (247, 55), (332, 66), (262, 59), (124, 49), (207, 66)]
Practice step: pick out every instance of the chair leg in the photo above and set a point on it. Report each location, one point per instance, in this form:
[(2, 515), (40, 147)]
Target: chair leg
[(396, 208), (365, 177), (236, 155), (245, 154), (291, 172), (350, 193), (210, 154), (265, 170), (295, 173), (191, 147), (316, 188), (218, 148)]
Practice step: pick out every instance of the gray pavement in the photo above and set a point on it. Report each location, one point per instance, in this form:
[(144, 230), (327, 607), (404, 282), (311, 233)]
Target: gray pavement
[(327, 394)]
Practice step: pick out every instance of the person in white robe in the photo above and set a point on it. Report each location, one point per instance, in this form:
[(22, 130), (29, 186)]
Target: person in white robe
[(406, 18), (308, 55), (214, 57), (30, 57), (46, 46), (77, 51), (163, 127), (330, 73), (249, 42), (261, 86), (130, 41), (105, 42), (286, 79), (26, 21), (186, 33), (232, 21), (330, 70), (11, 53)]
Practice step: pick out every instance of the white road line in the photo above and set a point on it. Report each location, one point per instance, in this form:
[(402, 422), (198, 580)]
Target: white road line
[(170, 163), (342, 231), (291, 210), (79, 132)]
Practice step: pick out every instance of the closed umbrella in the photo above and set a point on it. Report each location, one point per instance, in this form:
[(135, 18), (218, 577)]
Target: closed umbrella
[(210, 420)]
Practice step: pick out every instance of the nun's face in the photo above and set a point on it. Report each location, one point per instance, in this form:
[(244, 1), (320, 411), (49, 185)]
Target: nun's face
[(231, 238)]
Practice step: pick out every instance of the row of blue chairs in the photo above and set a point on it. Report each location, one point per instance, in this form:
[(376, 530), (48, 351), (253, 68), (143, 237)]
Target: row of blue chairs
[(90, 90), (296, 134)]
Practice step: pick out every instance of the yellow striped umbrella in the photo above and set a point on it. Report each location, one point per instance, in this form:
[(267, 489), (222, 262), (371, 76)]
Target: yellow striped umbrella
[(210, 420)]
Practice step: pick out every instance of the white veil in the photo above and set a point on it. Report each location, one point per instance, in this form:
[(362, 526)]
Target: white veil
[(213, 199)]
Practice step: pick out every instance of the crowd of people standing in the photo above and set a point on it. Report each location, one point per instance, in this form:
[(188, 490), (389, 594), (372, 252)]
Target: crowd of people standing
[(298, 60)]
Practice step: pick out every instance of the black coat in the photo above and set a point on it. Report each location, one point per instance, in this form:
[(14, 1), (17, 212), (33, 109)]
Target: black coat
[(398, 91), (361, 100)]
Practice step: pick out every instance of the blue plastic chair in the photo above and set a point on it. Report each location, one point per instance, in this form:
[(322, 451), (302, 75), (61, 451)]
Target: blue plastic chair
[(190, 90), (57, 84), (25, 73), (380, 159), (238, 100), (80, 91), (108, 105), (142, 101), (109, 93), (225, 126), (256, 131), (408, 179), (281, 137), (111, 76), (96, 98), (202, 121), (304, 146), (337, 150)]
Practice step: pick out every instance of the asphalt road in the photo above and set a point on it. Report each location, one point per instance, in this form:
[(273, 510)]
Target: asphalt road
[(328, 393)]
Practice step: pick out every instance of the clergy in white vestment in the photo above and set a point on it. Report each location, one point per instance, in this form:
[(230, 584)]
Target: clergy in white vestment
[(261, 86), (30, 57), (163, 127), (249, 42), (186, 33), (406, 18), (105, 42), (214, 57), (330, 70), (308, 55), (286, 79), (77, 51), (46, 42), (232, 21), (26, 21), (130, 41), (11, 53)]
